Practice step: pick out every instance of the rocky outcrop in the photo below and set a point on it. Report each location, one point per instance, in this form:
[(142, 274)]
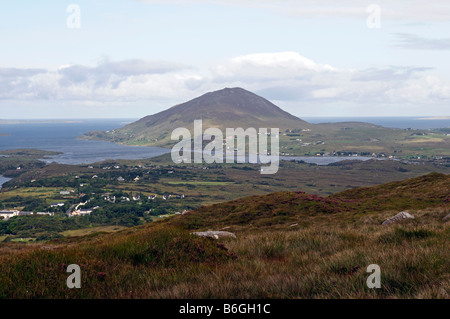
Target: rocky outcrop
[(215, 234), (397, 218)]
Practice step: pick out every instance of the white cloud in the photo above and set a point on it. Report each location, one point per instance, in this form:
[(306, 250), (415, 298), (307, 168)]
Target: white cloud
[(288, 76), (123, 80), (414, 10), (283, 76), (257, 67)]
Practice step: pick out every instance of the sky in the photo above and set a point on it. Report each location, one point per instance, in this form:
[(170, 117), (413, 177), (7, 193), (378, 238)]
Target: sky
[(131, 58)]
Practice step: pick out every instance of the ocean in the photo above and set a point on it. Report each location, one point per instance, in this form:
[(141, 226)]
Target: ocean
[(61, 136), (421, 123)]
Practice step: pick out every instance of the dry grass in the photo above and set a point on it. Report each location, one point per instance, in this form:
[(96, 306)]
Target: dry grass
[(317, 261), (324, 254)]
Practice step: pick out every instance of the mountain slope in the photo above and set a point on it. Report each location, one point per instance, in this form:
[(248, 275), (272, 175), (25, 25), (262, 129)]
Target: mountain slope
[(229, 107), (283, 208)]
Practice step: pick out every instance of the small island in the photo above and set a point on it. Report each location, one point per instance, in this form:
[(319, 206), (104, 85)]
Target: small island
[(14, 163), (28, 152)]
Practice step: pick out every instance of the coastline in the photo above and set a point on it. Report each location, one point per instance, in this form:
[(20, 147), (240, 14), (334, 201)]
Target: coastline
[(3, 180)]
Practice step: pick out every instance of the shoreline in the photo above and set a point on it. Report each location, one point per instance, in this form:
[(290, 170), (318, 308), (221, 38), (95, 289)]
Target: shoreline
[(3, 180)]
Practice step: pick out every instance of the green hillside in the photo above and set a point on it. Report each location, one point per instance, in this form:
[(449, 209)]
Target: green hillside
[(284, 208)]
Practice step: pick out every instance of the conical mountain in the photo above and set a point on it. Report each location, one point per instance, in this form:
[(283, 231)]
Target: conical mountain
[(229, 107)]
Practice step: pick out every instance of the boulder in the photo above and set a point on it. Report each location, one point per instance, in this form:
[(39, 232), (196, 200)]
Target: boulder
[(399, 217), (215, 234), (446, 218)]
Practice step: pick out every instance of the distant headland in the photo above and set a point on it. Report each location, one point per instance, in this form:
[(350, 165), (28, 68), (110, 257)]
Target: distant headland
[(435, 118)]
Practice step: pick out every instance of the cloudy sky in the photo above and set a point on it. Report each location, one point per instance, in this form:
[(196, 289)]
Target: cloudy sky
[(130, 58)]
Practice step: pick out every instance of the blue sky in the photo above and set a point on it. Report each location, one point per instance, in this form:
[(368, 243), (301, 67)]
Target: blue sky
[(133, 58)]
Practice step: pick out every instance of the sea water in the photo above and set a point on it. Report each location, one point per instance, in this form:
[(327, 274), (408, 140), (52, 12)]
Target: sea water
[(63, 136)]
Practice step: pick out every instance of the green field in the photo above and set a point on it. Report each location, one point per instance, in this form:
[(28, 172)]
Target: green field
[(91, 230), (367, 138)]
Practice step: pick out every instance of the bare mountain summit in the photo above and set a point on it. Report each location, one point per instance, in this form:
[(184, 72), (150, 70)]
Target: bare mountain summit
[(229, 107)]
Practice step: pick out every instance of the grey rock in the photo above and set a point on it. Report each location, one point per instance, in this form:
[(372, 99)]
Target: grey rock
[(215, 234), (399, 217), (446, 218)]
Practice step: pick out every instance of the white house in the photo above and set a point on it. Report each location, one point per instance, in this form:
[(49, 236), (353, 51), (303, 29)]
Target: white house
[(7, 214), (45, 213), (81, 212)]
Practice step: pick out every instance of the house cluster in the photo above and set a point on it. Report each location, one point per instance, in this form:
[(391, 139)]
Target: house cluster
[(311, 143), (7, 214), (166, 197), (121, 179), (57, 204), (82, 212), (67, 192), (111, 167), (109, 198), (112, 199)]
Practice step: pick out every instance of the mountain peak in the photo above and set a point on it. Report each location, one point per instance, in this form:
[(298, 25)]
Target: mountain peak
[(229, 107), (229, 93)]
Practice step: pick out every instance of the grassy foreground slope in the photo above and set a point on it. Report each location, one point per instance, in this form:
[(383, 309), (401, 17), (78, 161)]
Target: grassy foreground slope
[(289, 245), (284, 208)]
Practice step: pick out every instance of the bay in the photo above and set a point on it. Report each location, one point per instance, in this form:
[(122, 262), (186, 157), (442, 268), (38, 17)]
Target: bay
[(63, 136)]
